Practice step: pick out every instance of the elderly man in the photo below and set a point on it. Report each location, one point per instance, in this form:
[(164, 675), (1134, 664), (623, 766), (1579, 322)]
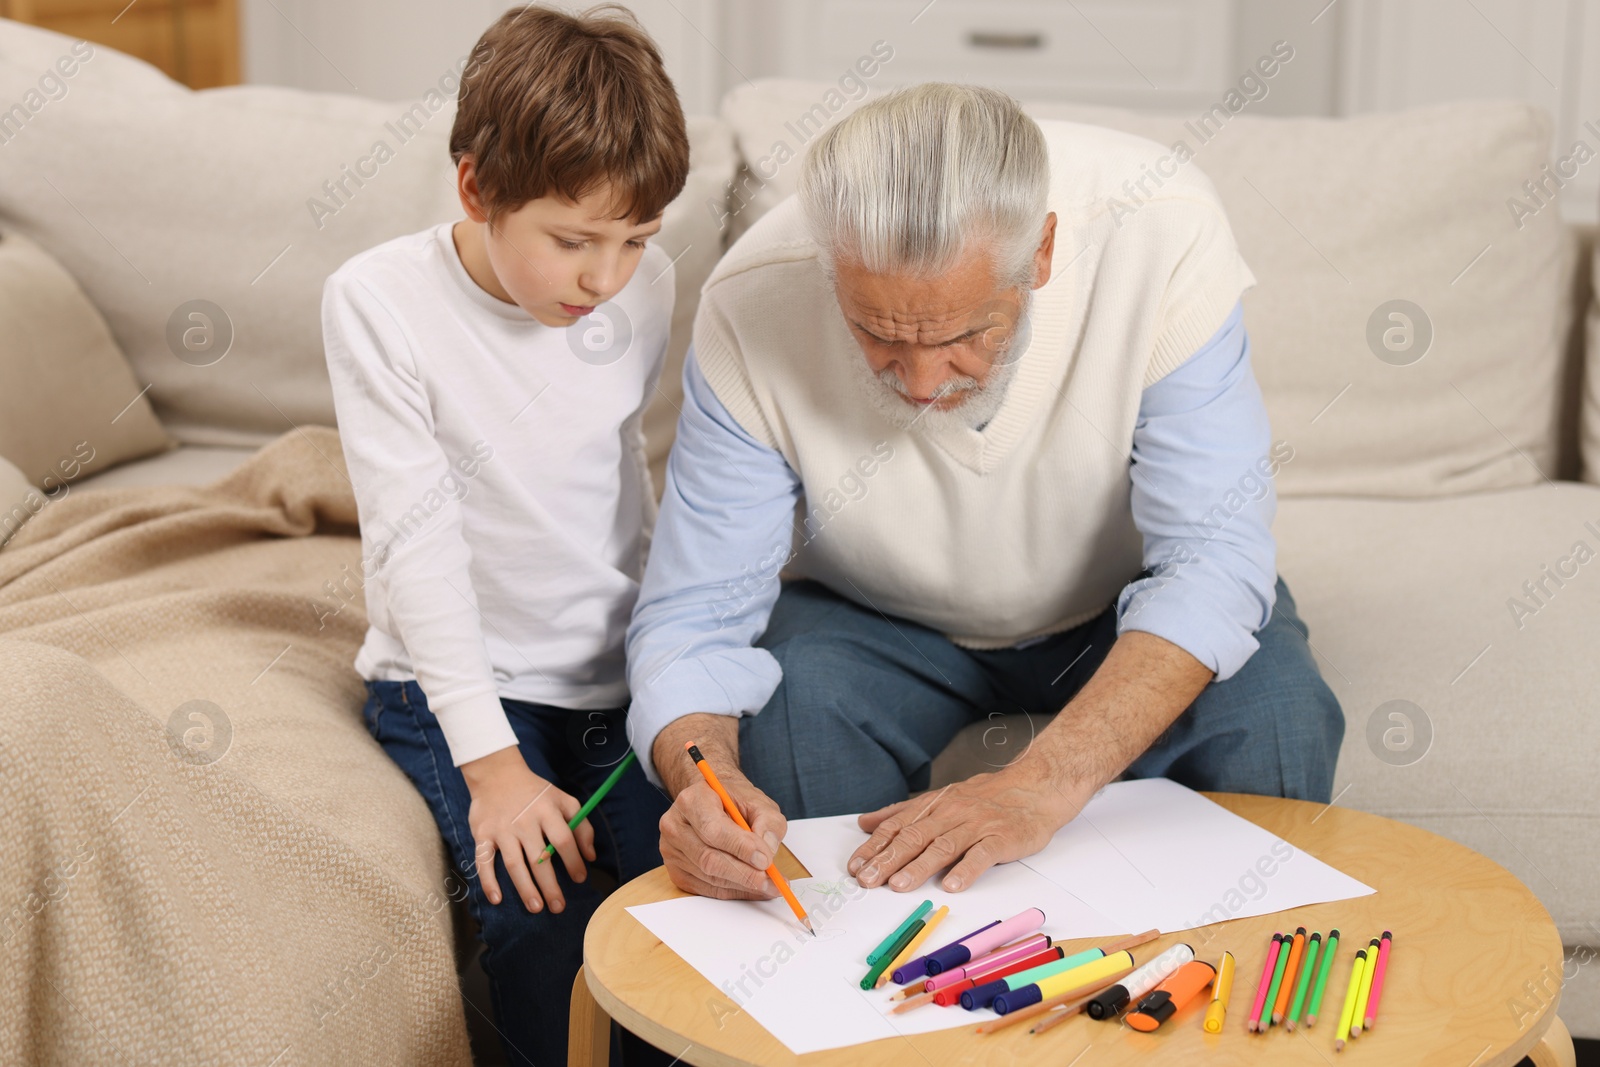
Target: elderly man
[(995, 422)]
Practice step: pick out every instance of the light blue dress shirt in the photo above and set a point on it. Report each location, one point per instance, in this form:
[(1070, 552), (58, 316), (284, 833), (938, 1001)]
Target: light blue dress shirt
[(1202, 498)]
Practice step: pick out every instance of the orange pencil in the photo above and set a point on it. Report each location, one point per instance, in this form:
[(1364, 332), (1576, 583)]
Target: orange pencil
[(1297, 950), (733, 811)]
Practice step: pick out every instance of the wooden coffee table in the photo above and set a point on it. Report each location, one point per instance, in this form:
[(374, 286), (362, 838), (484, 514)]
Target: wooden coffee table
[(1469, 940)]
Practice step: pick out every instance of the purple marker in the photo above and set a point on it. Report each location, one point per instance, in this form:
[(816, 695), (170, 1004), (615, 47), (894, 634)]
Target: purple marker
[(985, 940), (911, 970)]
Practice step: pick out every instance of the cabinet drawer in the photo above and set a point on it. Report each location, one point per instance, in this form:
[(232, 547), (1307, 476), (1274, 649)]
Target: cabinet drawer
[(1151, 50)]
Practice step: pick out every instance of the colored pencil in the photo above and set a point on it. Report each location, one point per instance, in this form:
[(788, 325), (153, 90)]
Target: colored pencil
[(1347, 1014), (733, 812), (1253, 1023), (1328, 950), (1307, 965), (1377, 981), (1360, 1016), (1277, 980), (590, 804), (1280, 1003), (909, 951)]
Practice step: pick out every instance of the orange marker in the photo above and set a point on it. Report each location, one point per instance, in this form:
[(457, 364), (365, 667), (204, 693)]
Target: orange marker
[(733, 811), (1170, 996)]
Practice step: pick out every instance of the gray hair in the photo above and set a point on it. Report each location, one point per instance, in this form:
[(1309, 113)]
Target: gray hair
[(915, 179)]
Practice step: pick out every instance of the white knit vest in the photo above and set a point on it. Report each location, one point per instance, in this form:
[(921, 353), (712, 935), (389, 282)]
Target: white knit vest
[(1025, 528)]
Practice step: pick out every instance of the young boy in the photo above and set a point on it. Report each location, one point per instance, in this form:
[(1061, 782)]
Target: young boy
[(489, 377)]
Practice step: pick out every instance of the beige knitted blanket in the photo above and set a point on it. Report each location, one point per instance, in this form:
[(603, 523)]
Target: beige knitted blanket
[(204, 858)]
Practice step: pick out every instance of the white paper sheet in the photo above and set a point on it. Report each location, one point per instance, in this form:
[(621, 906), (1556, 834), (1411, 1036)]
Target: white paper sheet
[(1143, 854), (1152, 853), (765, 963)]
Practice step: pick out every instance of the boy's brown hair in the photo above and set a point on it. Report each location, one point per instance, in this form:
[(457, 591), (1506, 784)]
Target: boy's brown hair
[(553, 103)]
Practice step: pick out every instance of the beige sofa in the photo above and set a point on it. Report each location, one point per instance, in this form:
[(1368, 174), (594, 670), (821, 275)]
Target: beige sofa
[(1424, 491)]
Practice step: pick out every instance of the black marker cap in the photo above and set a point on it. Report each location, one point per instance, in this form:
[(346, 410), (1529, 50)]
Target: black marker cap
[(1107, 1002), (1158, 1005)]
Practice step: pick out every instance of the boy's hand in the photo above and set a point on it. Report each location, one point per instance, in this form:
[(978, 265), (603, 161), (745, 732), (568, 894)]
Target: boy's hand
[(515, 812)]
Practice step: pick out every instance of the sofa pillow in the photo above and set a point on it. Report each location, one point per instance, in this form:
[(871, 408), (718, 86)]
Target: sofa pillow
[(204, 223), (216, 215), (69, 404), (1410, 324)]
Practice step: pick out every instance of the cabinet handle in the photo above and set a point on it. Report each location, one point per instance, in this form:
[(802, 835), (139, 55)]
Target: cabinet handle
[(1014, 41)]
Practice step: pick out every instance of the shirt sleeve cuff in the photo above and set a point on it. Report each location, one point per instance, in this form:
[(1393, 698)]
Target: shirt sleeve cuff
[(735, 682), (1199, 627), (473, 726)]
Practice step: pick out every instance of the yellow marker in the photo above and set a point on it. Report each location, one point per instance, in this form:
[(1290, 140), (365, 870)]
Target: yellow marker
[(1350, 994), (1366, 989), (1092, 971), (910, 951), (1221, 986)]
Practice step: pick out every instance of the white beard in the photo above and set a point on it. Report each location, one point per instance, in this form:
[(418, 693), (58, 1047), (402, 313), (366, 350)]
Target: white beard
[(981, 402)]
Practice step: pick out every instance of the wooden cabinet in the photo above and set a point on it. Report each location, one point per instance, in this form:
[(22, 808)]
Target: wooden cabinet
[(195, 42)]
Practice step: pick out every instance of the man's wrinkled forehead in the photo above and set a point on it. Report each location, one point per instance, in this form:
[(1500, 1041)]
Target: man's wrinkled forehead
[(928, 311), (917, 321)]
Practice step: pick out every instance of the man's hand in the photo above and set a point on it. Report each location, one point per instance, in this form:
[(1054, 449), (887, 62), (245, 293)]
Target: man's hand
[(704, 850), (985, 820), (1144, 683), (515, 812)]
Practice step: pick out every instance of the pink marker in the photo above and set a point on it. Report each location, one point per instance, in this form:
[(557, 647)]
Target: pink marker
[(994, 961), (1377, 981), (978, 944), (1253, 1024)]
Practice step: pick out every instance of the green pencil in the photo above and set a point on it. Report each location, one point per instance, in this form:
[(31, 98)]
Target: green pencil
[(1277, 977), (891, 945), (1328, 952), (589, 805), (1304, 983), (903, 938)]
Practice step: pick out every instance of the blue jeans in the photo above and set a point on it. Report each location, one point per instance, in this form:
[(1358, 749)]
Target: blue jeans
[(867, 702), (531, 959)]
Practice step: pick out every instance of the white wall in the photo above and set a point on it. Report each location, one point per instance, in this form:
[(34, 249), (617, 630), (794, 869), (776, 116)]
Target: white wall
[(1350, 55)]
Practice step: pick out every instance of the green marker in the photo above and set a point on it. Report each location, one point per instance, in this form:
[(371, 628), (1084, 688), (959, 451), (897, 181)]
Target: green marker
[(1328, 952), (903, 938), (1277, 979), (1305, 980), (589, 805), (887, 946)]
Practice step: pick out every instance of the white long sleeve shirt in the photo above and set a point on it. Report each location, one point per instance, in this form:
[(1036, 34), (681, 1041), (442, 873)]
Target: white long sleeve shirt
[(499, 471)]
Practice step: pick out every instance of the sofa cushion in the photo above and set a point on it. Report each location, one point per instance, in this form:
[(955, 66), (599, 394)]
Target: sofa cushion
[(692, 233), (1479, 612), (244, 198), (69, 404), (195, 465), (1338, 219)]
